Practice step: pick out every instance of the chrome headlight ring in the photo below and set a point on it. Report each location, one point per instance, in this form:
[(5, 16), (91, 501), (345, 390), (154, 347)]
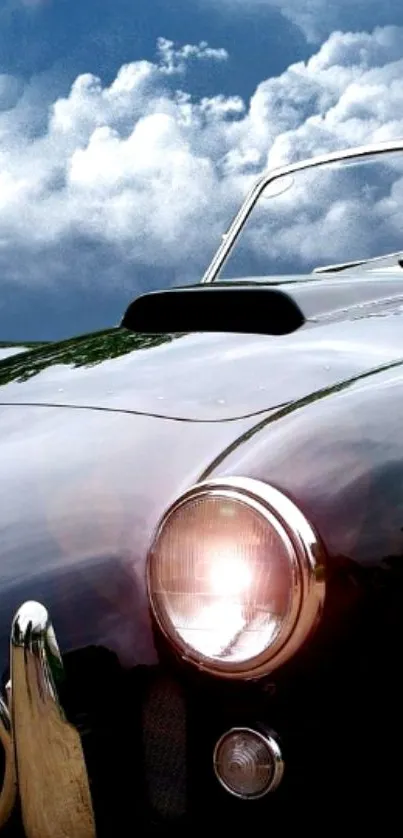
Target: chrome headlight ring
[(289, 569)]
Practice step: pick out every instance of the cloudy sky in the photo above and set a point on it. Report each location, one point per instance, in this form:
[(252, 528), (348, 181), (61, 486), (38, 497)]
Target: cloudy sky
[(130, 131)]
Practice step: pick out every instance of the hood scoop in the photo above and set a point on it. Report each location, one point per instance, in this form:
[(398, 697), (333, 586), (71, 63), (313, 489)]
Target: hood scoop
[(244, 309)]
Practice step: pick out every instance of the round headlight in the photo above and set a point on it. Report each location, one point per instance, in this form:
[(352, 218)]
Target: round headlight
[(235, 577)]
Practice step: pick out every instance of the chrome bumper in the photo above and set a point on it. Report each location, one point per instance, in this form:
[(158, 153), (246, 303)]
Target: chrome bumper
[(44, 761)]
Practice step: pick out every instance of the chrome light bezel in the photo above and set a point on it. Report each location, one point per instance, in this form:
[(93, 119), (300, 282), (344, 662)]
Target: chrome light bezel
[(308, 562), (270, 742)]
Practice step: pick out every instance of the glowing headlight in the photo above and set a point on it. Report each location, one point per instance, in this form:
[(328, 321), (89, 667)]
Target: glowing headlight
[(235, 577)]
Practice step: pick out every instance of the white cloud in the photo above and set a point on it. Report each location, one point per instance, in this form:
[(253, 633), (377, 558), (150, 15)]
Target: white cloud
[(174, 60), (141, 171), (318, 18)]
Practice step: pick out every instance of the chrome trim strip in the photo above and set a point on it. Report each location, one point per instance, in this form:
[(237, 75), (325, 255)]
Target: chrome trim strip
[(346, 266), (52, 776), (8, 792), (229, 238), (308, 564)]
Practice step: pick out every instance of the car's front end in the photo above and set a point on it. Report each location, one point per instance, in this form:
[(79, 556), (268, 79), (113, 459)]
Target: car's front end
[(201, 598)]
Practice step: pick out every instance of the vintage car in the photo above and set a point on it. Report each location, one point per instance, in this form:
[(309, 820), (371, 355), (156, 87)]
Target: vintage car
[(204, 505)]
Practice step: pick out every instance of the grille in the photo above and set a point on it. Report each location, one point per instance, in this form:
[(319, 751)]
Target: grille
[(164, 748), (134, 731)]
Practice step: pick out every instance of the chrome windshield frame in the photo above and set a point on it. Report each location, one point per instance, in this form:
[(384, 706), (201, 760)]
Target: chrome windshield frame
[(229, 238)]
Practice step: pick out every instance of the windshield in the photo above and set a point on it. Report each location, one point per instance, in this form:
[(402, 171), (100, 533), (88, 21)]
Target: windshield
[(335, 213)]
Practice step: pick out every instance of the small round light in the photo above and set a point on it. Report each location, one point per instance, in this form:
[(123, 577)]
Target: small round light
[(248, 763), (233, 577)]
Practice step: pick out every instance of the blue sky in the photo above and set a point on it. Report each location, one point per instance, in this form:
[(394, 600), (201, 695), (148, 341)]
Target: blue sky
[(129, 132), (98, 36)]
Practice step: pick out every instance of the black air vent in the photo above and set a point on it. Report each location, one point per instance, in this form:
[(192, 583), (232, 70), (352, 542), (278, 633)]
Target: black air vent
[(248, 309)]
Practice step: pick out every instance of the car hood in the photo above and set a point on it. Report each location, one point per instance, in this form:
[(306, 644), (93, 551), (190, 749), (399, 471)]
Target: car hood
[(351, 328)]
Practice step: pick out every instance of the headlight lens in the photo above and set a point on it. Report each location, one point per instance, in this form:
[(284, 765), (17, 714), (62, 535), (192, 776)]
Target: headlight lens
[(229, 577)]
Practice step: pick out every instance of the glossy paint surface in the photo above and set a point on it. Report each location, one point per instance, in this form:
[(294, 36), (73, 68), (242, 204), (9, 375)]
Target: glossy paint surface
[(339, 454), (8, 351), (81, 493), (140, 419), (351, 328)]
